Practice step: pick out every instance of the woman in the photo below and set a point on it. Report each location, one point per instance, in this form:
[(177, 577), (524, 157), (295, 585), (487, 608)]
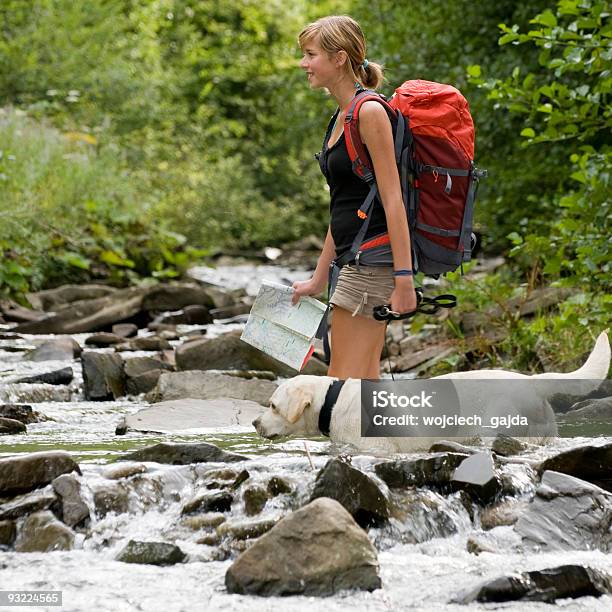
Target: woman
[(334, 59)]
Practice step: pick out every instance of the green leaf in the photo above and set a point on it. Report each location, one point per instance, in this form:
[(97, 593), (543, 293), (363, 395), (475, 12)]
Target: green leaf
[(113, 259), (474, 70), (527, 132), (515, 238), (75, 259), (545, 18)]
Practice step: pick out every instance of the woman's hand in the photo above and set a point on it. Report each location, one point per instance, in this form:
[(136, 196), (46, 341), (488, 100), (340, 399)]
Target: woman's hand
[(308, 287), (403, 298)]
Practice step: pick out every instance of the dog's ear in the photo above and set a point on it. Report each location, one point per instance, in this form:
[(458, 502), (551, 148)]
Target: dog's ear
[(299, 400)]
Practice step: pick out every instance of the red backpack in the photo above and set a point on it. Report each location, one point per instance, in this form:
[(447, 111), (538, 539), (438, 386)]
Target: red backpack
[(434, 150)]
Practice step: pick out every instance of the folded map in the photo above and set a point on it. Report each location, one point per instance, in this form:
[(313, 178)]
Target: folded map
[(280, 329)]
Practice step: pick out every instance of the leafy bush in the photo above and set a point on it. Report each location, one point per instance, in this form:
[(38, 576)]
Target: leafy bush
[(69, 211)]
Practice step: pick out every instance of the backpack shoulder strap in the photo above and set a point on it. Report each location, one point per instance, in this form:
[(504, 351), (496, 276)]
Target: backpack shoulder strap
[(360, 160)]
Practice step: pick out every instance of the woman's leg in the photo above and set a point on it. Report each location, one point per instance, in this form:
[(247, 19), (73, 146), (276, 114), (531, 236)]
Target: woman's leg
[(356, 346)]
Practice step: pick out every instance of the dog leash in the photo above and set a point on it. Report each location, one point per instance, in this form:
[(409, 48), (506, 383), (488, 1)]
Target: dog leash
[(425, 305)]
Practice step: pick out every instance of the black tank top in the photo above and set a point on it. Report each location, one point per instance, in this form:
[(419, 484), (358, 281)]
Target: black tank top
[(348, 192)]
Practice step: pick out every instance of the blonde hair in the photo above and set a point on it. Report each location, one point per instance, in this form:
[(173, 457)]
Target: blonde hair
[(342, 33)]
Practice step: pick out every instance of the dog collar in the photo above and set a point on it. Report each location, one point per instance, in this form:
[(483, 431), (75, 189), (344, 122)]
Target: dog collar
[(331, 397)]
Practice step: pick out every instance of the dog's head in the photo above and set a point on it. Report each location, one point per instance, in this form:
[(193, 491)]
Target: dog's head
[(290, 406)]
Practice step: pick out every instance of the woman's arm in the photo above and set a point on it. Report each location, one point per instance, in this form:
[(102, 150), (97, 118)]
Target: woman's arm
[(317, 283), (377, 135)]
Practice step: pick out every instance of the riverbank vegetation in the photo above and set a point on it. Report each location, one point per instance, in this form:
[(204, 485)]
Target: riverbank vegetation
[(137, 136)]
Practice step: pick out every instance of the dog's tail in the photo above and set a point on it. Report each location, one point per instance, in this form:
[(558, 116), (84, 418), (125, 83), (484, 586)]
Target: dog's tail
[(589, 376)]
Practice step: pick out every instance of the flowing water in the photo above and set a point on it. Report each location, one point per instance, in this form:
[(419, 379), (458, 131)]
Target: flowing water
[(424, 563)]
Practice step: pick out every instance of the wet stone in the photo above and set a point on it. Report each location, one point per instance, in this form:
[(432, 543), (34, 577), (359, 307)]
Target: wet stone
[(358, 493), (477, 476), (245, 530), (207, 502), (60, 349), (182, 453), (209, 539), (56, 377), (124, 330), (242, 477), (203, 521), (73, 510), (504, 513), (590, 462), (547, 585), (434, 470), (278, 486), (567, 514), (151, 553), (507, 446), (103, 340), (117, 472), (42, 532), (294, 556), (26, 472), (255, 499), (103, 376), (8, 532), (11, 426), (110, 498), (20, 412), (27, 504)]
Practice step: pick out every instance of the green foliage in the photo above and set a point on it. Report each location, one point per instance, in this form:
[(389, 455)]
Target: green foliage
[(567, 100), (68, 211)]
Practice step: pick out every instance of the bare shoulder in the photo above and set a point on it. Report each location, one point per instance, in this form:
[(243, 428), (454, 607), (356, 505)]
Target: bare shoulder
[(374, 125), (372, 112)]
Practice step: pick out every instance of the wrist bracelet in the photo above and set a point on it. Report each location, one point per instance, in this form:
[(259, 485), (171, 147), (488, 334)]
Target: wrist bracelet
[(403, 273)]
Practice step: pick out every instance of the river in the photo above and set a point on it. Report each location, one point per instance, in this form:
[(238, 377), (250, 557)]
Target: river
[(424, 562)]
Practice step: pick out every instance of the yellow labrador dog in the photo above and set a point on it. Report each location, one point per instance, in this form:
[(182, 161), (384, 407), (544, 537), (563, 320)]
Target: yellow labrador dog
[(296, 404)]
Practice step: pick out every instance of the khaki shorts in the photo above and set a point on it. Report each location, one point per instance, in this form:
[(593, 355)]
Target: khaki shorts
[(361, 288)]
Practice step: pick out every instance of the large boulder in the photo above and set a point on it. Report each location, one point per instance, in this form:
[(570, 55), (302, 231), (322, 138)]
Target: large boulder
[(317, 550), (209, 385), (229, 352), (42, 532), (174, 296), (103, 376), (89, 315), (567, 514), (358, 493), (592, 462), (55, 299), (22, 473), (183, 414), (182, 453)]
